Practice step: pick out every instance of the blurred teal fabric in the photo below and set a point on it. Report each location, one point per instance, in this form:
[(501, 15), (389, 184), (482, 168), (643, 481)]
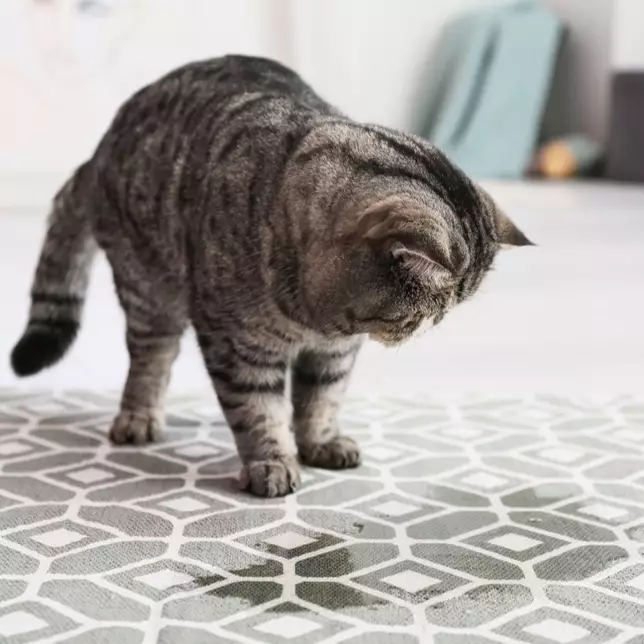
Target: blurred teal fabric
[(485, 109)]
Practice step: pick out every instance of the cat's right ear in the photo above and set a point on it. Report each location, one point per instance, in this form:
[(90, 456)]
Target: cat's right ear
[(421, 266), (417, 253)]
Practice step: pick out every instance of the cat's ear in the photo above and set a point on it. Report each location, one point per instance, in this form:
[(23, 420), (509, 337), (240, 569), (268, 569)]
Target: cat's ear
[(414, 243), (421, 265), (509, 234)]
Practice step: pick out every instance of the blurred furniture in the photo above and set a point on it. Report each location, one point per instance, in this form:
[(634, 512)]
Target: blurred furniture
[(501, 63), (626, 139)]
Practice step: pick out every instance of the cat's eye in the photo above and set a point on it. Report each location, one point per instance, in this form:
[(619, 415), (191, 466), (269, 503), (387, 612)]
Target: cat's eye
[(396, 319)]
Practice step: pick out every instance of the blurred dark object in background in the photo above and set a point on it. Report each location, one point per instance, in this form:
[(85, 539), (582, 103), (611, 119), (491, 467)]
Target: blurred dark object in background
[(626, 142)]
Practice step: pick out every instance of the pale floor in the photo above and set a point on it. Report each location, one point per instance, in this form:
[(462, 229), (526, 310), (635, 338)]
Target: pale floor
[(566, 317)]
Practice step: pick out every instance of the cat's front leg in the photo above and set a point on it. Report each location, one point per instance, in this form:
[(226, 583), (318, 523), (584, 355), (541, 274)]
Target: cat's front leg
[(320, 377), (250, 385)]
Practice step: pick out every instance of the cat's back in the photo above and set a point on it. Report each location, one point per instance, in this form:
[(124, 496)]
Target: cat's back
[(154, 154), (184, 143), (185, 99), (235, 74), (178, 122)]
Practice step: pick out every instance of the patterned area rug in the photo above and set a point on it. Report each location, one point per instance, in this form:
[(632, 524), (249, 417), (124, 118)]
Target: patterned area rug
[(472, 521)]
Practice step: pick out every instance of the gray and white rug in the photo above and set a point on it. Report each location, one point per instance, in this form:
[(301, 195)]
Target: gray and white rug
[(472, 521)]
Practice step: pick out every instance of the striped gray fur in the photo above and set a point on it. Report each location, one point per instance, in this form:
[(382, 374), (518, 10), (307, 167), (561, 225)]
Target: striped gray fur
[(230, 197)]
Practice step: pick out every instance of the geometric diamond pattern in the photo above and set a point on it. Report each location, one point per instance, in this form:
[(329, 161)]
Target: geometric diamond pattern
[(561, 455), (557, 631), (602, 510), (289, 541), (637, 583), (196, 452), (478, 519), (163, 578), (395, 508), (186, 504), (287, 622), (58, 538), (481, 480), (91, 475), (628, 582), (30, 621), (13, 448), (288, 627), (19, 623), (553, 626), (410, 581), (383, 454), (516, 543)]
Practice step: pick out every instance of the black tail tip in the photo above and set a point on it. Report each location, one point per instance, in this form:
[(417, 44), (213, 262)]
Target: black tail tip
[(42, 346)]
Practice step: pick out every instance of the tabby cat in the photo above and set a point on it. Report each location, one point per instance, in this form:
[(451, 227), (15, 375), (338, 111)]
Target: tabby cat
[(229, 196)]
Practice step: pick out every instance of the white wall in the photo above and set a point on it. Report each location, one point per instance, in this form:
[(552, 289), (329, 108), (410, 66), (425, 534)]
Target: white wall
[(369, 57), (628, 35), (581, 89), (63, 75)]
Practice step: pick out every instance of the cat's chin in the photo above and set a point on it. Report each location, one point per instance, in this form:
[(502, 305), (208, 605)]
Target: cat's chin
[(386, 341), (395, 341)]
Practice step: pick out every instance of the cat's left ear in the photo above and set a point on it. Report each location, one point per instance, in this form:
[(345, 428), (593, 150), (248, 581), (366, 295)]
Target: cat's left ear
[(510, 236)]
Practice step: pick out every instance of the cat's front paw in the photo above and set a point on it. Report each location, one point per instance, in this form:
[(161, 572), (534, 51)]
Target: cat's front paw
[(339, 453), (138, 427), (276, 477)]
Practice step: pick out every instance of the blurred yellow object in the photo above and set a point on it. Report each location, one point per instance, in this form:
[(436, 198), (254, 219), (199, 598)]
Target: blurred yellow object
[(556, 161), (569, 157)]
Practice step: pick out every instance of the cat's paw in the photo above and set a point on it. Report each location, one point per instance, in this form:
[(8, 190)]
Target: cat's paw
[(138, 427), (277, 477), (339, 453)]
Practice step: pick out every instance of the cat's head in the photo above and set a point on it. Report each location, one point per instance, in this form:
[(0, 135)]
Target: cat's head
[(406, 260)]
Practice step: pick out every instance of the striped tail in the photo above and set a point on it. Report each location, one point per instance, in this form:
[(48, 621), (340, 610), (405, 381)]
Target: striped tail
[(60, 284)]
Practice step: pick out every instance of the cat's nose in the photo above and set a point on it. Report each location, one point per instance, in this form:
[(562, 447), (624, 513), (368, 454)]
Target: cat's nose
[(425, 325)]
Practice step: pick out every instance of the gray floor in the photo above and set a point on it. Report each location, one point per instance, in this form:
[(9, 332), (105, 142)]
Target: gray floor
[(476, 520), (565, 317)]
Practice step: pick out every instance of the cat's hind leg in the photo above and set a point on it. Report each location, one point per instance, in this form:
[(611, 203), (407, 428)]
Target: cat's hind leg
[(153, 333)]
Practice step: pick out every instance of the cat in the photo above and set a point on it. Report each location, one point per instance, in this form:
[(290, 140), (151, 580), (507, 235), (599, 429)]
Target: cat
[(228, 196)]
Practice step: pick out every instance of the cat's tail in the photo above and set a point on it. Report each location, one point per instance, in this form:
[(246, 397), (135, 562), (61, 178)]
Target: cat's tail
[(61, 280)]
